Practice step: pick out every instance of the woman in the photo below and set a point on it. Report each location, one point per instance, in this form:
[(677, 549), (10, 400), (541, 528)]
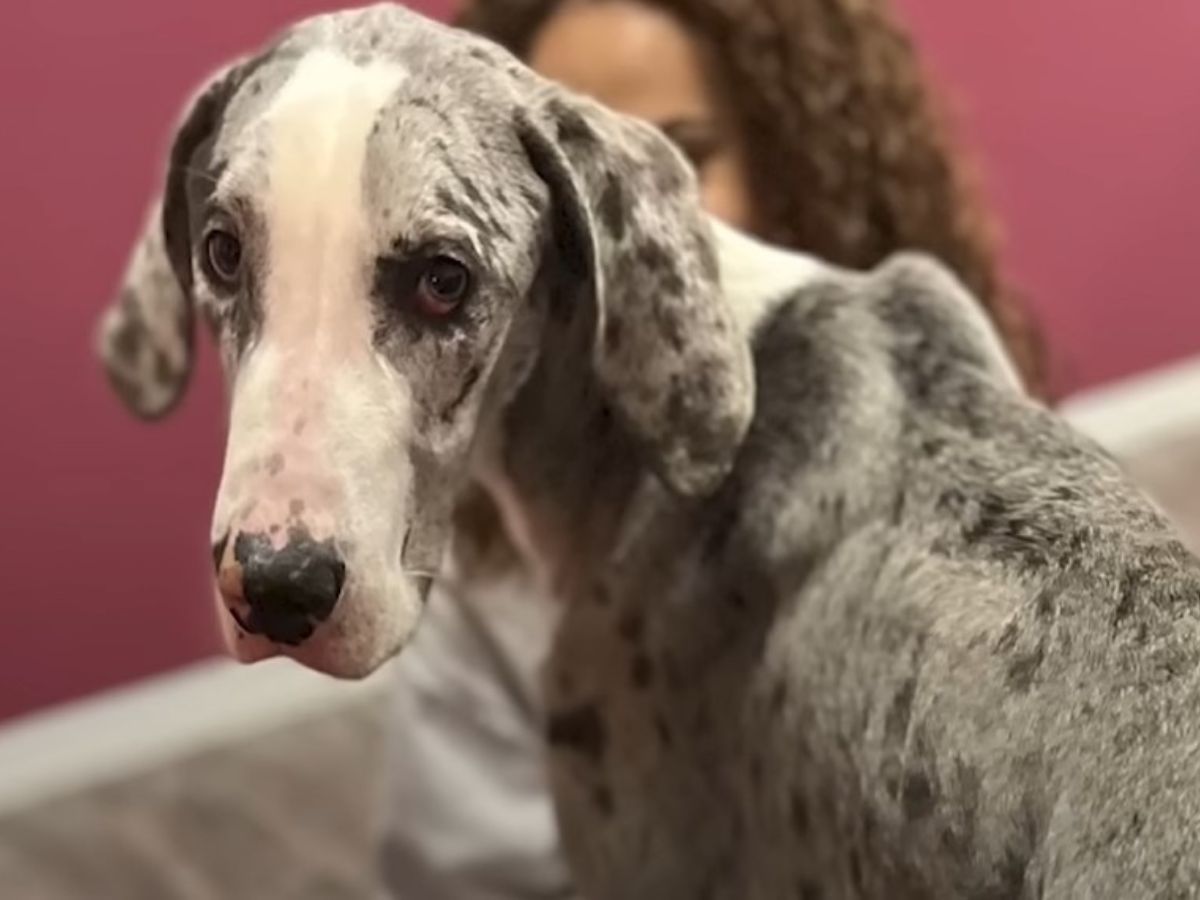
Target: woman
[(810, 125)]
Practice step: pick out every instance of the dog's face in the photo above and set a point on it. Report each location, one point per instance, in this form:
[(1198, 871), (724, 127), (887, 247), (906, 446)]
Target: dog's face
[(377, 217)]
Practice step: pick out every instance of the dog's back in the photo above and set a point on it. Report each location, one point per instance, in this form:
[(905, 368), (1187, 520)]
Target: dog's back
[(925, 642)]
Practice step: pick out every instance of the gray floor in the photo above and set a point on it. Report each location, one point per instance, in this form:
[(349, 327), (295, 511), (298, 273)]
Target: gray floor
[(289, 815)]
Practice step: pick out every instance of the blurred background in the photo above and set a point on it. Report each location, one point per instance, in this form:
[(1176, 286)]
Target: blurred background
[(1084, 116)]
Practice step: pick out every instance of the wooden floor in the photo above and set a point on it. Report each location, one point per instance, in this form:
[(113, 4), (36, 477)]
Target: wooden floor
[(289, 815)]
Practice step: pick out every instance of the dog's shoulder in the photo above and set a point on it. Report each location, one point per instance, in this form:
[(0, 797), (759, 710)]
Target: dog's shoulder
[(888, 394)]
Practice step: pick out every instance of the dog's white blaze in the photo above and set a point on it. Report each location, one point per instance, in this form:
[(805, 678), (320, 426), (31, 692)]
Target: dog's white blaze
[(318, 131), (314, 357), (319, 424)]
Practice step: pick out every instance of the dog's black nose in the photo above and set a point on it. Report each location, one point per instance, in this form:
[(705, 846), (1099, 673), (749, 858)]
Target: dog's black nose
[(290, 590)]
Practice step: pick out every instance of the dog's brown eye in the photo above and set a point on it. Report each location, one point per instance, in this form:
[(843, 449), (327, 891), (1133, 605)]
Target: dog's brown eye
[(443, 285), (223, 251)]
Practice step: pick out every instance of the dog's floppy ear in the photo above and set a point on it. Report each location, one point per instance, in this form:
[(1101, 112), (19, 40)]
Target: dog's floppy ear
[(636, 249), (145, 337)]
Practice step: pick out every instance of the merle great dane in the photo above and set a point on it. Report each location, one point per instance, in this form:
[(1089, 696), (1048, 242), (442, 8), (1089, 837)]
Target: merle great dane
[(847, 614)]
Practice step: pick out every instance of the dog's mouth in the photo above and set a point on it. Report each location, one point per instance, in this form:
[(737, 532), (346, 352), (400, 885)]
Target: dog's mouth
[(355, 640), (314, 645)]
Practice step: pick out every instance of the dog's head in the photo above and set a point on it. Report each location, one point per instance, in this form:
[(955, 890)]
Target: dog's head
[(367, 214)]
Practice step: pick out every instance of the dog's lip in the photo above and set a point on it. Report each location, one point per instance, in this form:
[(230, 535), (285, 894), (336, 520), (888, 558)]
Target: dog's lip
[(320, 652)]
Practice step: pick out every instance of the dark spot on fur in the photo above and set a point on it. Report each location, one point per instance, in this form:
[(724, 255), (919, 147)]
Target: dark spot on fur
[(756, 771), (665, 737), (603, 798), (736, 599), (642, 671), (163, 373), (656, 259), (296, 508), (1011, 872), (809, 890), (1022, 670), (869, 829), (218, 551), (611, 207), (127, 339), (570, 126), (274, 464), (613, 333), (891, 771), (932, 447), (1125, 605), (579, 728), (856, 872), (668, 174), (833, 507), (720, 531), (1045, 600), (951, 501), (298, 428), (706, 258), (778, 697), (631, 625), (798, 810), (565, 681), (601, 424), (1004, 531), (670, 325), (918, 798), (1008, 638), (896, 725)]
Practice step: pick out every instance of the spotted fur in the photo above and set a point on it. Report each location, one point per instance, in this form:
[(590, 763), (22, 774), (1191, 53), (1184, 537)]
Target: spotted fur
[(847, 614)]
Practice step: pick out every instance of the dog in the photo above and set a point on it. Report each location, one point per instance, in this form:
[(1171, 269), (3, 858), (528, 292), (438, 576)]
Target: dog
[(847, 614)]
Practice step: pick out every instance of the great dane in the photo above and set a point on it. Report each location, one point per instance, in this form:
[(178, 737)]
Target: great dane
[(847, 614)]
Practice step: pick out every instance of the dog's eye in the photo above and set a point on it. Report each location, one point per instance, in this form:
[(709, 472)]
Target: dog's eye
[(443, 285), (223, 254)]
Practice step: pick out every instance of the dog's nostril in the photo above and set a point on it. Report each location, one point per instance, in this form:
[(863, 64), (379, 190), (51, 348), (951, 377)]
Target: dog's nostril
[(290, 590)]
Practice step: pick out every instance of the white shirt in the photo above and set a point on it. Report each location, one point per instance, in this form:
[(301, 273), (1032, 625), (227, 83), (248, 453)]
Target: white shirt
[(468, 811)]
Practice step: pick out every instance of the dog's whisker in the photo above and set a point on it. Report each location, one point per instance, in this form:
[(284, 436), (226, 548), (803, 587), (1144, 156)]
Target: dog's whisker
[(421, 573)]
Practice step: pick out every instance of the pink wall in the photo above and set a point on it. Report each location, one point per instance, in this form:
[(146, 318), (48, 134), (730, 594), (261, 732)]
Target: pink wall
[(1088, 115)]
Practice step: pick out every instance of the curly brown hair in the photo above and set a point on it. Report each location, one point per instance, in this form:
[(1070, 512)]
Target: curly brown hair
[(852, 157)]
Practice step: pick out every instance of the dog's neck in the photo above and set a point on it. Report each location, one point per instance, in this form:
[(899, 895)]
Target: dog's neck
[(562, 471)]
